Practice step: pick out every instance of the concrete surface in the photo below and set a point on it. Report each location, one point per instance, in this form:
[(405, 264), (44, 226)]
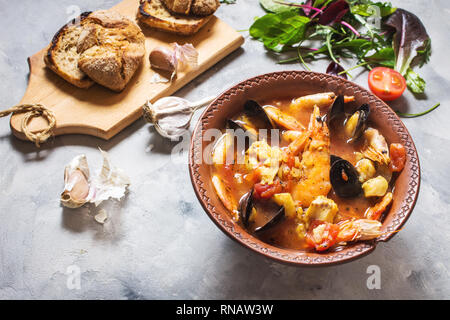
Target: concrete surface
[(159, 243)]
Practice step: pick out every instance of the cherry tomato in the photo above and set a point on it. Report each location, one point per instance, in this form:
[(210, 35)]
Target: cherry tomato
[(387, 84), (324, 237), (398, 157), (266, 191)]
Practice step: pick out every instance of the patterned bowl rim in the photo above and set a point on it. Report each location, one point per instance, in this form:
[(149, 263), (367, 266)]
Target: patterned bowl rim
[(295, 257)]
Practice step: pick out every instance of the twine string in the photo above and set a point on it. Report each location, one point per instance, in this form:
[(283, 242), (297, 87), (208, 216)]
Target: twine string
[(33, 111)]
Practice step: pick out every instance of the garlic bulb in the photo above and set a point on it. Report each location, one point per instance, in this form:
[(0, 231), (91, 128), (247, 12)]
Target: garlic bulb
[(172, 116)]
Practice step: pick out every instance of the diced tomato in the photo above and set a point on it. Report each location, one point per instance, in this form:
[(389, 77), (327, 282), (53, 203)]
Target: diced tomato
[(386, 83), (266, 191), (324, 237), (398, 157)]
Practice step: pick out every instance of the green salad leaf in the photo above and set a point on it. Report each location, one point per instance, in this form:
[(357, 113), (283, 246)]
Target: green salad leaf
[(384, 57), (274, 7), (410, 39), (344, 29), (371, 9), (280, 30), (414, 82)]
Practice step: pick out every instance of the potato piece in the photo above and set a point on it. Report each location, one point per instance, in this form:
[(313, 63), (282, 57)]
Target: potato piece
[(323, 209), (265, 159), (366, 170), (375, 187), (285, 199), (301, 231)]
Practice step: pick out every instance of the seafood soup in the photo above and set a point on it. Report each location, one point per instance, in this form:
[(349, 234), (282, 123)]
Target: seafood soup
[(306, 173)]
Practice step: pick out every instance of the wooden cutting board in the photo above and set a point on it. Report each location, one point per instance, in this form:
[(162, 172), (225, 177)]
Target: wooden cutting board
[(103, 113)]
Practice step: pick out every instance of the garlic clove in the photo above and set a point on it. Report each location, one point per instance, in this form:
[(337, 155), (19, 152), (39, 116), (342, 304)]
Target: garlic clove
[(76, 183), (164, 59), (79, 188)]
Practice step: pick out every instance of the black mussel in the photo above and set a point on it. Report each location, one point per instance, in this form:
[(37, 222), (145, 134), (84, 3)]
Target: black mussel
[(253, 122), (256, 113), (333, 159), (344, 179), (245, 207), (356, 124), (336, 109), (276, 218), (268, 211), (244, 134)]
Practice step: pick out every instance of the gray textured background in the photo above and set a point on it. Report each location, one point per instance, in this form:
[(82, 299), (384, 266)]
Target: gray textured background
[(159, 243)]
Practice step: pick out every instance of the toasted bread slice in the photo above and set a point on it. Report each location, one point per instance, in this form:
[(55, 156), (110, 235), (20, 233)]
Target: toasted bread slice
[(154, 14), (62, 54)]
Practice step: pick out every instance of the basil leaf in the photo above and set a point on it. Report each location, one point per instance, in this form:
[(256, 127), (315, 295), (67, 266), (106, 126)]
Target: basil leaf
[(384, 57), (272, 6), (414, 82), (278, 30)]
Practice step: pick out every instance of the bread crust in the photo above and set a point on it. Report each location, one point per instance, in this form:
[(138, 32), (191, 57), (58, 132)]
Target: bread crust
[(178, 6), (49, 58), (119, 50), (167, 21), (204, 7)]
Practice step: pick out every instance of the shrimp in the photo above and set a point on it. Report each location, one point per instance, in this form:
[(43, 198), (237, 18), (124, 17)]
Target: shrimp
[(315, 163), (290, 135), (359, 229), (321, 100), (376, 147), (282, 119), (375, 212)]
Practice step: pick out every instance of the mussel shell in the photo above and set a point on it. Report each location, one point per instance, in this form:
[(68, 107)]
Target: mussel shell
[(239, 129), (336, 109), (277, 217), (364, 113), (245, 207), (254, 110), (333, 159), (345, 188)]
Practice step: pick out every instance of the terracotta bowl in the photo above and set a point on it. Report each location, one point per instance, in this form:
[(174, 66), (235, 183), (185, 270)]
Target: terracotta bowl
[(295, 84)]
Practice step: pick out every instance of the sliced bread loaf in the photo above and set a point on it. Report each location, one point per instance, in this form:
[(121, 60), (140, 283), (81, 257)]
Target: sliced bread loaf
[(155, 14), (62, 54), (102, 46), (112, 48)]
